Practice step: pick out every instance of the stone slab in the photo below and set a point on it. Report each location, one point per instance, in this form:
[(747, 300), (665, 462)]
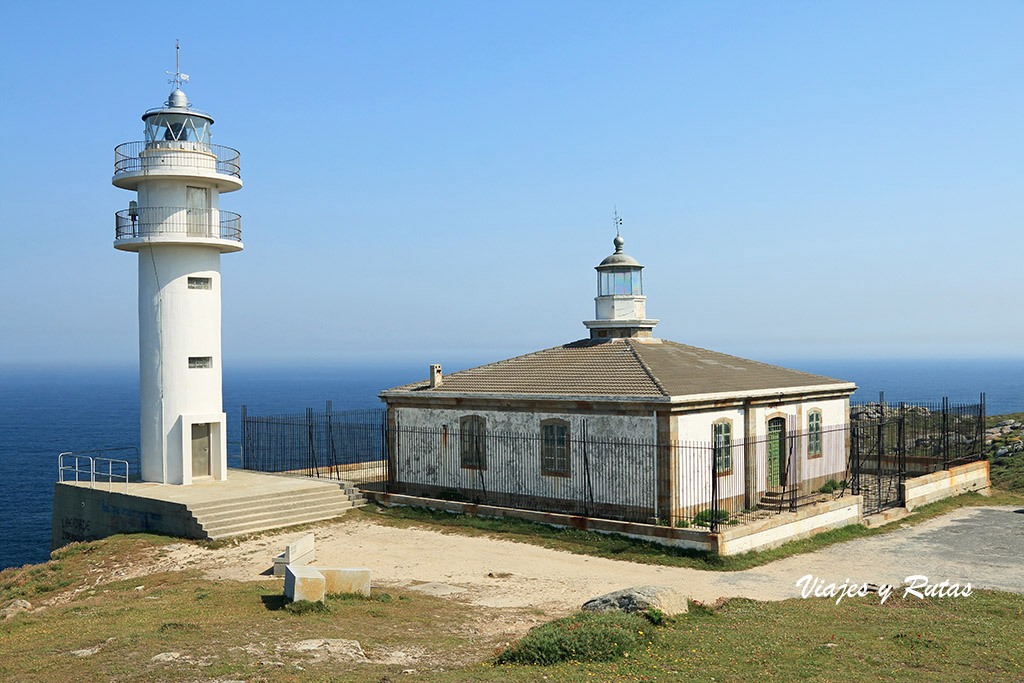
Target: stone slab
[(346, 580), (303, 583), (298, 552)]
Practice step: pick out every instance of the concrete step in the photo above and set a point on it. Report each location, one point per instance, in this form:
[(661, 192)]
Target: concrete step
[(331, 509), (271, 505), (277, 523), (247, 501)]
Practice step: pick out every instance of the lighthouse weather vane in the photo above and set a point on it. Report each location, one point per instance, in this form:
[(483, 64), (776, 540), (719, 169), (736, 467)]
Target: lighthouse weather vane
[(179, 77), (616, 221)]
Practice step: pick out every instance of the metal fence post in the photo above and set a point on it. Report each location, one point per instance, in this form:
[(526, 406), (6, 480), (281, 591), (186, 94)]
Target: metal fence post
[(901, 454), (245, 427), (713, 522), (945, 432)]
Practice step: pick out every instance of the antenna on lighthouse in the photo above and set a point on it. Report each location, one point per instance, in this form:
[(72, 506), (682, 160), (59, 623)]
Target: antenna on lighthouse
[(179, 77)]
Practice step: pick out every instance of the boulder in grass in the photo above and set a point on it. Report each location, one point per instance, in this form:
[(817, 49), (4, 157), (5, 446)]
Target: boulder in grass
[(15, 607), (668, 601)]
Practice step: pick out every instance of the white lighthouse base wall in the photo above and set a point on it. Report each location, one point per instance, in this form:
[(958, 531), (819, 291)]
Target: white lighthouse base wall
[(179, 358), (218, 446)]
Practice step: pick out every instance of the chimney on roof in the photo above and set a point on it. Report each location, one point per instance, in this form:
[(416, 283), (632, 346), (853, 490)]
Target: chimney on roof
[(435, 376)]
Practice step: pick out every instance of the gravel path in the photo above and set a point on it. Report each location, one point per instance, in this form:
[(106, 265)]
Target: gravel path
[(983, 546)]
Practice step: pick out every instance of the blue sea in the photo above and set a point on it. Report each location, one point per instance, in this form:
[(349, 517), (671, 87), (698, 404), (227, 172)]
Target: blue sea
[(45, 412)]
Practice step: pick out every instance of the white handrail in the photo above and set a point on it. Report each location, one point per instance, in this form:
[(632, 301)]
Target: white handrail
[(94, 467)]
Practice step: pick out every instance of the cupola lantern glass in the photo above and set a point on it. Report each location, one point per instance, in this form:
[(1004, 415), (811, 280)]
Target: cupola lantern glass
[(628, 282)]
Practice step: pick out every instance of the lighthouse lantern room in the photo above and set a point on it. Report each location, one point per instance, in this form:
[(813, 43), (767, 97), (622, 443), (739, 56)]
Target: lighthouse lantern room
[(179, 231)]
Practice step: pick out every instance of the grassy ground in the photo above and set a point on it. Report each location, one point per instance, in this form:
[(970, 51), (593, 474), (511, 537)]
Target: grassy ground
[(123, 629), (99, 626), (1006, 472), (180, 627), (634, 550)]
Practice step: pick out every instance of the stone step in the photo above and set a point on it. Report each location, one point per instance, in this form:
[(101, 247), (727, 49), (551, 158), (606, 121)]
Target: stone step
[(271, 505), (262, 518), (279, 523), (298, 521), (247, 501)]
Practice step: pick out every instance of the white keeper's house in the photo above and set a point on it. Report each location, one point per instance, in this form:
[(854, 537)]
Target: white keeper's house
[(538, 428)]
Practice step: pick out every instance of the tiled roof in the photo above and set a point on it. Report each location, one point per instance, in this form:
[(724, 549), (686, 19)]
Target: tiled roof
[(620, 367)]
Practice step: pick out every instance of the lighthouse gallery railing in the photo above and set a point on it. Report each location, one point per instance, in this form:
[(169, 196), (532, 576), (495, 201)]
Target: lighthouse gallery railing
[(138, 156), (151, 221)]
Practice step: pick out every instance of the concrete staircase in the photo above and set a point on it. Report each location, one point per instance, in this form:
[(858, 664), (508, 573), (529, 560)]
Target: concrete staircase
[(776, 498), (274, 510)]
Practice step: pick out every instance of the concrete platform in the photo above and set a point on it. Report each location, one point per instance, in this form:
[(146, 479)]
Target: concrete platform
[(208, 509)]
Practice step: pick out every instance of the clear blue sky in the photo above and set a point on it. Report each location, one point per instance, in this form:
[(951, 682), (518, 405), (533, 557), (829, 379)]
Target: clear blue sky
[(800, 179)]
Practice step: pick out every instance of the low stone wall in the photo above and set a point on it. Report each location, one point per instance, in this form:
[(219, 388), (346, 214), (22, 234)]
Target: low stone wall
[(679, 538), (929, 488), (767, 533), (84, 514), (789, 526)]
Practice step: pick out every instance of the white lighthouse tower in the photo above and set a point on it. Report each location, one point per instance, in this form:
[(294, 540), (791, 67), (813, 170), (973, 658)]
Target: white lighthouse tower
[(179, 232)]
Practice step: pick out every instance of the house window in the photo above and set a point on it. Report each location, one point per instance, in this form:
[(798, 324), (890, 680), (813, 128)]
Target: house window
[(723, 446), (473, 430), (554, 448), (200, 283), (200, 361), (814, 434)]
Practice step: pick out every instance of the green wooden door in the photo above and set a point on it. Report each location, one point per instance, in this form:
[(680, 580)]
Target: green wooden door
[(776, 450)]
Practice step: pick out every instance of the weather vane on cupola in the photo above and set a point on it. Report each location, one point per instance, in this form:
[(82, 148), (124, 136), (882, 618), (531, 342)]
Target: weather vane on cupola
[(179, 77), (616, 221)]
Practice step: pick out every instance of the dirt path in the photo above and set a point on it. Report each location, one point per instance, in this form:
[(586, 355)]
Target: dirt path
[(982, 545)]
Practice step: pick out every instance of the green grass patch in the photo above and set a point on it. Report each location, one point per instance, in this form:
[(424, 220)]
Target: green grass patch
[(581, 637), (308, 607), (992, 420), (178, 626), (73, 565), (1007, 472)]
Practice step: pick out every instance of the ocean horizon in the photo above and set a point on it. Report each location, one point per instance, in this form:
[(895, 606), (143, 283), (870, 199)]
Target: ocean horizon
[(46, 411)]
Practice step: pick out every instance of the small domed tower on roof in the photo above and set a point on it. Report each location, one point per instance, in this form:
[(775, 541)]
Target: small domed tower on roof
[(621, 307)]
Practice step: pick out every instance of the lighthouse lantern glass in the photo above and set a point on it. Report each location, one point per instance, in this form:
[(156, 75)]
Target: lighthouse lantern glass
[(620, 282), (177, 128)]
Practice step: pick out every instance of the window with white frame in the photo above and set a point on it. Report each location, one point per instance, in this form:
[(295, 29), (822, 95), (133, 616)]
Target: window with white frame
[(722, 433), (814, 434)]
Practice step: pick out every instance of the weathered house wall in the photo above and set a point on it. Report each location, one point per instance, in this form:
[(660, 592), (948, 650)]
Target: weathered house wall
[(429, 453)]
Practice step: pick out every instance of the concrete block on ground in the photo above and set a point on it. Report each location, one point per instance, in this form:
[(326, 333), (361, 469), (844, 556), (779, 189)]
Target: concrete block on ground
[(345, 580), (303, 583), (299, 552)]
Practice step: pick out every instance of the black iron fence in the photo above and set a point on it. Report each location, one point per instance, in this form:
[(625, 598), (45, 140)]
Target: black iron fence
[(347, 445), (894, 441), (698, 485)]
